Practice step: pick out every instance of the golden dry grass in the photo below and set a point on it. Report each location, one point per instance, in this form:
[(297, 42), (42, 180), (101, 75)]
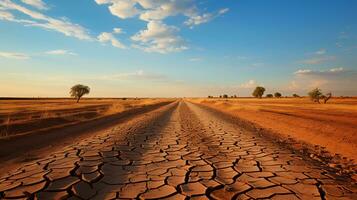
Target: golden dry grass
[(22, 116)]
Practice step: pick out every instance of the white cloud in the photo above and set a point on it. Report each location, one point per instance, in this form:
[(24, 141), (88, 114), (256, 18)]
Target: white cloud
[(315, 72), (60, 52), (13, 55), (195, 19), (38, 19), (136, 75), (223, 11), (117, 30), (121, 8), (39, 4), (195, 59), (159, 37), (109, 37), (293, 85), (321, 52), (339, 81), (318, 60), (257, 64), (249, 84), (154, 12)]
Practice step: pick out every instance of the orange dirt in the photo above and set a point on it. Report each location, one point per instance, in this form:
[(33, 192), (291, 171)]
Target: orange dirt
[(19, 117), (332, 125)]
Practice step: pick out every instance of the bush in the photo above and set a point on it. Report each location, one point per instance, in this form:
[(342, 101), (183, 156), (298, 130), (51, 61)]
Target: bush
[(296, 96), (277, 94), (258, 92), (315, 95), (269, 96), (225, 96)]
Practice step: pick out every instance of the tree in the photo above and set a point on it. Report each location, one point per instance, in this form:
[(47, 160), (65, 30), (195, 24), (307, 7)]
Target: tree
[(277, 94), (225, 96), (258, 92), (78, 91), (315, 95), (269, 96), (210, 97), (296, 95), (326, 97)]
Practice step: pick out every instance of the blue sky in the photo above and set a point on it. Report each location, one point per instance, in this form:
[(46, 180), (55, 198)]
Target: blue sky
[(177, 48)]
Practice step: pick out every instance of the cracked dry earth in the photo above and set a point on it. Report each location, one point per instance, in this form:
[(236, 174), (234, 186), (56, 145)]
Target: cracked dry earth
[(180, 151)]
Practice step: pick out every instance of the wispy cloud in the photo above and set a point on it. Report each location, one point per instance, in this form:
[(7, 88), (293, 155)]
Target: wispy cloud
[(197, 59), (61, 52), (195, 20), (13, 55), (321, 52), (318, 60), (38, 19), (136, 75), (117, 30), (39, 4), (249, 84), (320, 72)]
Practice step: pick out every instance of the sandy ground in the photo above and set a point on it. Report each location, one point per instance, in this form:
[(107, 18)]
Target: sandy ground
[(178, 151), (332, 125), (19, 117)]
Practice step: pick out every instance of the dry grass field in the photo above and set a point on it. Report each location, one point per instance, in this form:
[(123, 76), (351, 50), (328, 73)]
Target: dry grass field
[(26, 116), (332, 125)]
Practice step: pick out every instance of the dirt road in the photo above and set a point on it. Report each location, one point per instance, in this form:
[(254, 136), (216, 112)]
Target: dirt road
[(179, 151)]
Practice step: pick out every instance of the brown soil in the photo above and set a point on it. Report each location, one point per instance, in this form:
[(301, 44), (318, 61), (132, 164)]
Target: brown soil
[(331, 125), (178, 151), (17, 149)]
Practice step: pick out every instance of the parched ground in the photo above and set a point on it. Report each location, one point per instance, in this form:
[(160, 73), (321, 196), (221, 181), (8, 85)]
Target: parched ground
[(331, 126), (179, 151), (26, 116)]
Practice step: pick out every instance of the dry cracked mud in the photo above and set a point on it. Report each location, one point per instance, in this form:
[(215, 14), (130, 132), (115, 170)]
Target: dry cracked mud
[(179, 151)]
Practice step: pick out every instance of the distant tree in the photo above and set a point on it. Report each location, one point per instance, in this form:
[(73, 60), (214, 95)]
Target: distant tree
[(315, 95), (78, 91), (210, 96), (258, 92), (326, 97), (225, 96), (277, 94), (220, 96), (235, 96), (269, 96), (296, 96)]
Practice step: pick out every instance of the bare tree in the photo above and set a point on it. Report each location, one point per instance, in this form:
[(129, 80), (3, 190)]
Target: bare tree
[(78, 91)]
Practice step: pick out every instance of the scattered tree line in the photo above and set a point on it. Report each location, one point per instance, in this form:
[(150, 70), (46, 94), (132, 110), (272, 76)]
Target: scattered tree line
[(315, 95), (224, 96)]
